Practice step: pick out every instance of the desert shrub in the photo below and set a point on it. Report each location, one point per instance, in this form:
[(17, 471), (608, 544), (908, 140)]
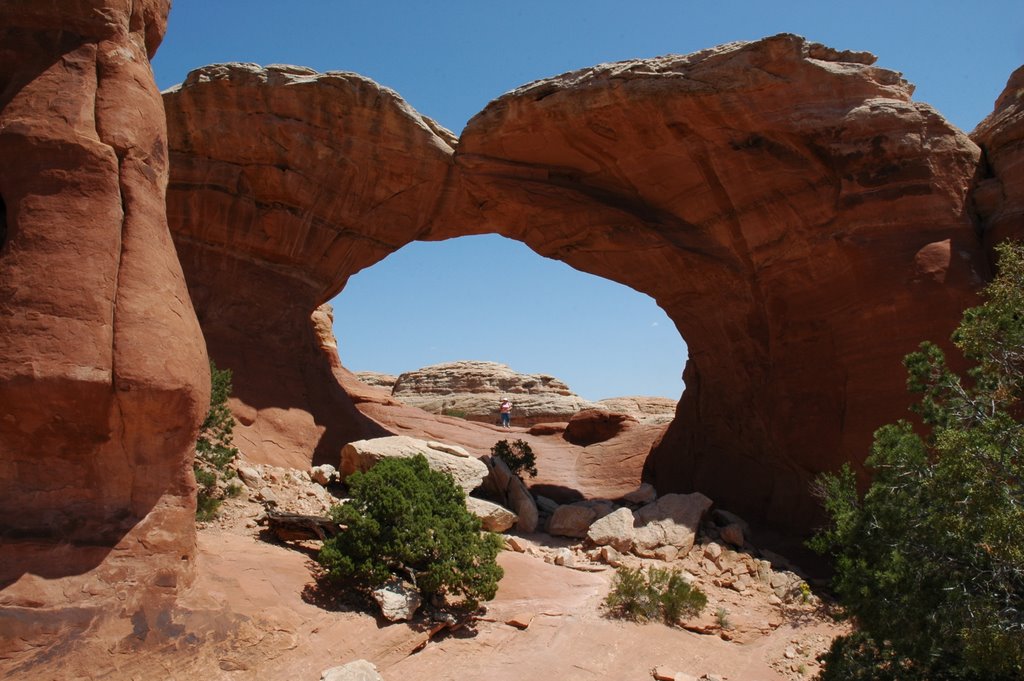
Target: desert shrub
[(214, 448), (641, 597), (930, 560), (518, 456), (679, 600), (407, 520)]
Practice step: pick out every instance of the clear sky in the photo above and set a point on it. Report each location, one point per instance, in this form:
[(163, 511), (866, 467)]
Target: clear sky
[(493, 299)]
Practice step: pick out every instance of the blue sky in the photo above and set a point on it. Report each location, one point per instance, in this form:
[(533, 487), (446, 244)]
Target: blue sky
[(434, 302)]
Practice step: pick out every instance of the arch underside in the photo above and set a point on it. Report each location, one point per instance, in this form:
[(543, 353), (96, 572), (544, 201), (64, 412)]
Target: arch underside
[(796, 215)]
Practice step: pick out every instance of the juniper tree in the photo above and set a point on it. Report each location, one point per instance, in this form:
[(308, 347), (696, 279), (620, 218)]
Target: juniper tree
[(930, 561)]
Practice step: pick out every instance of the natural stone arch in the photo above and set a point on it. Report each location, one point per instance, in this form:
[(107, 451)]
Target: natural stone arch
[(797, 216)]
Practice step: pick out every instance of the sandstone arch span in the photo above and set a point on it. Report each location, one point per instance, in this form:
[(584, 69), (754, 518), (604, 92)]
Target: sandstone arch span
[(802, 221)]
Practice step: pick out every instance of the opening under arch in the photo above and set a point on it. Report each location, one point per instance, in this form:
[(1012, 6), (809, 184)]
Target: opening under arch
[(491, 298)]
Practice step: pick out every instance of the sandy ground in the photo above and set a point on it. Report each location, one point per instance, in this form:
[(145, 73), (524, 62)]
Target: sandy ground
[(254, 612)]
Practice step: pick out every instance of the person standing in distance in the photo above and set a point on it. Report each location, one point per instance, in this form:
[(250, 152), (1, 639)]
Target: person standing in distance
[(506, 412)]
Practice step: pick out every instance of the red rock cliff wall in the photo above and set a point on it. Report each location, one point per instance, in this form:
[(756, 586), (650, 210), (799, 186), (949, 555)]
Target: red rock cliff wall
[(999, 197), (103, 371), (800, 219)]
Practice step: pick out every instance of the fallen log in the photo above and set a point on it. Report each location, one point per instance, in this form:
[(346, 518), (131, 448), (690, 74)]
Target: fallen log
[(296, 527)]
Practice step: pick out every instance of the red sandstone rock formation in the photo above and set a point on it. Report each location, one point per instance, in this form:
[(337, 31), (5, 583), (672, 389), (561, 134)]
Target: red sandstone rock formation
[(999, 197), (103, 372), (802, 221)]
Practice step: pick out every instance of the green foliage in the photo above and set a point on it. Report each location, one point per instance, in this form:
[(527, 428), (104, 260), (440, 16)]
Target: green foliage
[(214, 450), (638, 597), (518, 456), (405, 519), (930, 561), (722, 618)]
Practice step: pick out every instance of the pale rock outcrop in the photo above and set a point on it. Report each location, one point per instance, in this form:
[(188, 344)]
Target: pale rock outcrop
[(494, 517), (473, 390), (644, 409), (672, 520), (377, 379), (466, 470)]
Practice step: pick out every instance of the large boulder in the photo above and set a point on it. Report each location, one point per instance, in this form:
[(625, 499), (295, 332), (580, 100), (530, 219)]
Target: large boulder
[(465, 469), (512, 492), (615, 530), (494, 517), (571, 520), (672, 520)]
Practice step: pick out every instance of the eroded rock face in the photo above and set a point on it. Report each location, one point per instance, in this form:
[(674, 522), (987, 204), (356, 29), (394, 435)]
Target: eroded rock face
[(801, 220), (103, 371)]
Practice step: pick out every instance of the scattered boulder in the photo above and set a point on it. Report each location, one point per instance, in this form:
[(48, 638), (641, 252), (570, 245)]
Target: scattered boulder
[(672, 520), (398, 601), (250, 476), (733, 534), (614, 530), (323, 474), (495, 518), (591, 426), (521, 620), (644, 494), (546, 505), (572, 520), (466, 470), (360, 670)]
